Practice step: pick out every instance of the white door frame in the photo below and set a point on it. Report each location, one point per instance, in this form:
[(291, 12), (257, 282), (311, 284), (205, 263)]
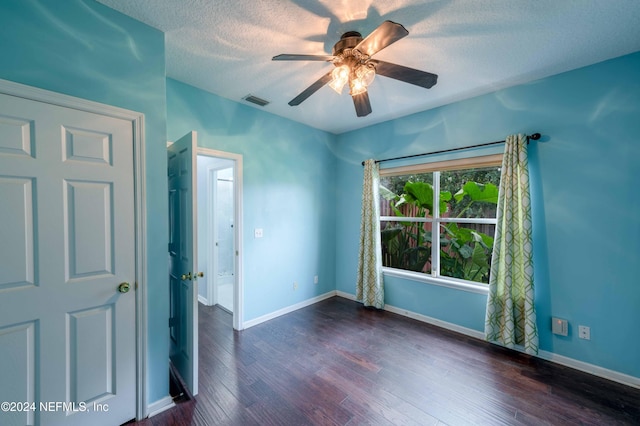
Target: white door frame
[(137, 121), (238, 288)]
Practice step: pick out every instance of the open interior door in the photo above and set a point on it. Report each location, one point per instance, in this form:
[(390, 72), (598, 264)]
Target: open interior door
[(183, 287)]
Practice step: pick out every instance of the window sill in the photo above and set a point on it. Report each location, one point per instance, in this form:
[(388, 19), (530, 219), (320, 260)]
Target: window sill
[(443, 282)]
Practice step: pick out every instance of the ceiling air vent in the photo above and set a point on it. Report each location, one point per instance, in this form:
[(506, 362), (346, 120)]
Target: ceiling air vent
[(255, 100)]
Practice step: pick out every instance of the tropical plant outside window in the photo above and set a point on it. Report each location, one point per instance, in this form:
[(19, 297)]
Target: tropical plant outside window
[(461, 204)]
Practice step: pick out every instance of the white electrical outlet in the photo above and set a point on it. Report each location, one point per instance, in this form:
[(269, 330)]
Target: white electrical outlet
[(295, 286), (315, 279), (584, 332), (257, 233)]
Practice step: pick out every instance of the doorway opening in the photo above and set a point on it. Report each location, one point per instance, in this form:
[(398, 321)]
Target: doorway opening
[(218, 216), (216, 246)]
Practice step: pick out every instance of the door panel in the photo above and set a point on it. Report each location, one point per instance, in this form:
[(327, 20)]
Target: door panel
[(18, 263), (67, 235), (16, 136), (89, 234), (91, 371), (183, 293), (84, 145), (18, 344)]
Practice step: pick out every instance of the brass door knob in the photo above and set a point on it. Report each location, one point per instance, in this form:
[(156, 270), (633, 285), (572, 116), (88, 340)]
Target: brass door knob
[(124, 287), (186, 277), (200, 274)]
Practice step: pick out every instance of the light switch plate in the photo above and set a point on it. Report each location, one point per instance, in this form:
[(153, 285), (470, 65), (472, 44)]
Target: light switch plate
[(559, 326)]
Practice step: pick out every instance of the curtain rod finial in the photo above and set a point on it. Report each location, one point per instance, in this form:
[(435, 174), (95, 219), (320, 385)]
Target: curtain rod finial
[(535, 136)]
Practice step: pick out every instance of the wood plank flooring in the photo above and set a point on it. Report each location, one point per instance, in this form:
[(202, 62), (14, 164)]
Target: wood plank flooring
[(337, 363)]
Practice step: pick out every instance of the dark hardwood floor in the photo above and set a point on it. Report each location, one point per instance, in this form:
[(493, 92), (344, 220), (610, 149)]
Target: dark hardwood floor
[(337, 363)]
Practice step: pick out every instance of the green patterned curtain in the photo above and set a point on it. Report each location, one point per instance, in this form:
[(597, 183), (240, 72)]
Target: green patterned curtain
[(369, 287), (511, 317)]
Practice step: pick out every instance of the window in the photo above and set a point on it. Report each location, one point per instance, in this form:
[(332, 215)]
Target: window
[(458, 199)]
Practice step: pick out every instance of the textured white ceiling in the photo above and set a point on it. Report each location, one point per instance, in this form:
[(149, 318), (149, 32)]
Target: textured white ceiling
[(476, 47)]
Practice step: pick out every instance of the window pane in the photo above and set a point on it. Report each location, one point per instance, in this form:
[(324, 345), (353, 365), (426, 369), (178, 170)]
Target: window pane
[(406, 245), (471, 192), (407, 195), (465, 251)]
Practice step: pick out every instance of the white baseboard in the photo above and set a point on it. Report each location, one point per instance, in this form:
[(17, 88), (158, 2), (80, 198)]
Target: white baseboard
[(160, 405), (434, 321), (203, 300), (423, 318), (288, 309), (595, 370), (346, 295)]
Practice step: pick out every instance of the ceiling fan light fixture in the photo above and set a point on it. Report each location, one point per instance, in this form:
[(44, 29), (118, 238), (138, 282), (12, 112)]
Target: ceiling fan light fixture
[(357, 86), (366, 73), (361, 78), (351, 56), (339, 77)]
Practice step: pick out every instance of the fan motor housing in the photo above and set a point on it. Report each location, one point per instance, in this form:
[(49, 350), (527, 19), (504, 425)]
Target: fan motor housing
[(349, 40)]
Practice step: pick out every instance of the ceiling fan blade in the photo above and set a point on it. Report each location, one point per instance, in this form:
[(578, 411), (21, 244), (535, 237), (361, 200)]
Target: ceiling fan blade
[(288, 57), (311, 89), (362, 104), (387, 33), (406, 74)]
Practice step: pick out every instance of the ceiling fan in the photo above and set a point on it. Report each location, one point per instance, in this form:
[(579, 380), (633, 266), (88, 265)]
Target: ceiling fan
[(353, 65)]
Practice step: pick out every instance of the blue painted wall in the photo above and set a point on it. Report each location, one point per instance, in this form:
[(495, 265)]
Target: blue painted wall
[(302, 186), (84, 49), (289, 183), (585, 178)]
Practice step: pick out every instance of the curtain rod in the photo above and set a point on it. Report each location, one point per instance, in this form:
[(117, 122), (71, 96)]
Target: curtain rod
[(534, 136)]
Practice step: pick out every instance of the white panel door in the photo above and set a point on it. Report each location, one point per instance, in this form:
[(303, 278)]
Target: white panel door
[(67, 241), (183, 254)]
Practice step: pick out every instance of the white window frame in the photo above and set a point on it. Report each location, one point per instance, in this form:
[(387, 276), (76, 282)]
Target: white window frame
[(435, 278)]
